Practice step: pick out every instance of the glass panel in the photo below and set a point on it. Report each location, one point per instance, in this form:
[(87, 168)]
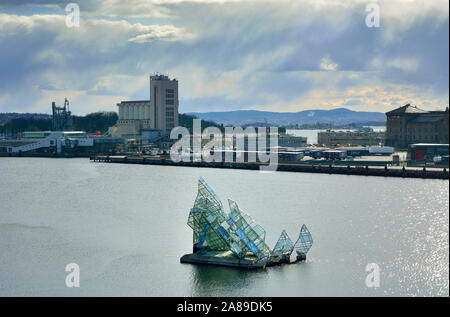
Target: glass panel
[(304, 241)]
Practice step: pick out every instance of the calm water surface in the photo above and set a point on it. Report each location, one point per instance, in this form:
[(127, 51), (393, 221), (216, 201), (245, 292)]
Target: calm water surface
[(125, 225)]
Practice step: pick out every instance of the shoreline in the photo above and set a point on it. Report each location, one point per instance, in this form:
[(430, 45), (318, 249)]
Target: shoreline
[(352, 168), (385, 171)]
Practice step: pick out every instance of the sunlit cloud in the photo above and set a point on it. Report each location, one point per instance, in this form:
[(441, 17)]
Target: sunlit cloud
[(227, 55), (327, 64)]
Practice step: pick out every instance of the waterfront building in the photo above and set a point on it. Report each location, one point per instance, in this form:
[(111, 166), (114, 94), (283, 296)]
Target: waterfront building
[(291, 141), (360, 137), (133, 117), (34, 134), (158, 113), (164, 101), (334, 154), (354, 150), (283, 140), (71, 142), (409, 124), (428, 152)]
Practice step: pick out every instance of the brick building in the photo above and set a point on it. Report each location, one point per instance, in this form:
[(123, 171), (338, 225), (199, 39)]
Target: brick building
[(361, 137), (408, 124)]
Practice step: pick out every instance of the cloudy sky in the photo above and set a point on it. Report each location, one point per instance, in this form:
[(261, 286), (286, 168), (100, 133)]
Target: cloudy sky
[(227, 55)]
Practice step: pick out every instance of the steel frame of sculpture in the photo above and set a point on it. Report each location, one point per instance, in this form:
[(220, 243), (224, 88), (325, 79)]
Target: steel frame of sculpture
[(215, 230), (304, 241), (283, 247)]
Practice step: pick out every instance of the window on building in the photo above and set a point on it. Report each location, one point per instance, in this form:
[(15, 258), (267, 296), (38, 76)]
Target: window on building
[(170, 93), (169, 112)]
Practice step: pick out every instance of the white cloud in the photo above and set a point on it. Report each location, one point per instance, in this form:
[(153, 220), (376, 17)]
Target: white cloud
[(405, 64), (111, 84), (163, 33), (327, 64), (380, 97)]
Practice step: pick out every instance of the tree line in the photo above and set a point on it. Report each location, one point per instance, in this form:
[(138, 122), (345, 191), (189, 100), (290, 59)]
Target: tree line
[(91, 123)]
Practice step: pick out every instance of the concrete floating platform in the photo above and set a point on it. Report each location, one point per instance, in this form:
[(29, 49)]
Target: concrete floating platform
[(220, 259), (228, 259)]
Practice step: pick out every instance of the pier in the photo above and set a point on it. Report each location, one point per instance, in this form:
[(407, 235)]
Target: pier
[(350, 169)]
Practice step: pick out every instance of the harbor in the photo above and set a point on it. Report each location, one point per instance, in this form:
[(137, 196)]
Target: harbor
[(125, 225), (224, 155), (140, 136)]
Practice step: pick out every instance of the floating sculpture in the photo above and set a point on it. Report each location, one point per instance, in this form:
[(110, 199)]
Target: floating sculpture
[(234, 239)]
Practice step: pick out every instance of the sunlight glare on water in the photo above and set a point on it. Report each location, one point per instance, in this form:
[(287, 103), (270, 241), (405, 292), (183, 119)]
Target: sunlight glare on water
[(125, 225)]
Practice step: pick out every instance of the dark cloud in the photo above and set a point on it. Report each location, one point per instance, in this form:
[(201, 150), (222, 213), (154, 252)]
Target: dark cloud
[(226, 56)]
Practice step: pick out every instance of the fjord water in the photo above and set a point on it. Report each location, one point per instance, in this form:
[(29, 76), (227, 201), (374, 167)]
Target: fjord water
[(125, 226)]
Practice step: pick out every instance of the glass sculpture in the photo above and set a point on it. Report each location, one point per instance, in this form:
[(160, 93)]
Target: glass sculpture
[(215, 230)]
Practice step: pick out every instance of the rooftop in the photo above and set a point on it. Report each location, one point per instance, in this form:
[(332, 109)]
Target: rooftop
[(406, 109), (160, 77), (428, 144), (134, 101)]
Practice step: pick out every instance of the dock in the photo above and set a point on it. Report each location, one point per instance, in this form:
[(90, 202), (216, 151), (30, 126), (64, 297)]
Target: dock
[(227, 259), (220, 259), (352, 167)]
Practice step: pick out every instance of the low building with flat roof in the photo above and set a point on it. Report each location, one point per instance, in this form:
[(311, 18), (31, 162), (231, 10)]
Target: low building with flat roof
[(427, 151), (159, 112), (364, 138)]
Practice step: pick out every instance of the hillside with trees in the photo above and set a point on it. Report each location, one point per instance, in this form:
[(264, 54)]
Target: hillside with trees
[(97, 121), (91, 123)]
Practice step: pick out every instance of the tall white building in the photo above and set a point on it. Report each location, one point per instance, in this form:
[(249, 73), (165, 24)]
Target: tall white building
[(160, 112)]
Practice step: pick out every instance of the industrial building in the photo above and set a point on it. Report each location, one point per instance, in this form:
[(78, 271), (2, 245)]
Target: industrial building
[(409, 124), (134, 116), (365, 137), (69, 142), (61, 117), (291, 141), (63, 141), (160, 113), (426, 153), (283, 140)]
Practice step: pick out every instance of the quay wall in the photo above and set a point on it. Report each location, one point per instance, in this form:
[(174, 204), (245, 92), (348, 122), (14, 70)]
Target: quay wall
[(367, 170), (352, 168)]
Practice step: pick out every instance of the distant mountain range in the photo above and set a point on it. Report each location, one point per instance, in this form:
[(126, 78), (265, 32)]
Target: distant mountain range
[(340, 116)]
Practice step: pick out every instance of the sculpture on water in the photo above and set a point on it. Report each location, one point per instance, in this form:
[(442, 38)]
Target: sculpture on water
[(235, 235)]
